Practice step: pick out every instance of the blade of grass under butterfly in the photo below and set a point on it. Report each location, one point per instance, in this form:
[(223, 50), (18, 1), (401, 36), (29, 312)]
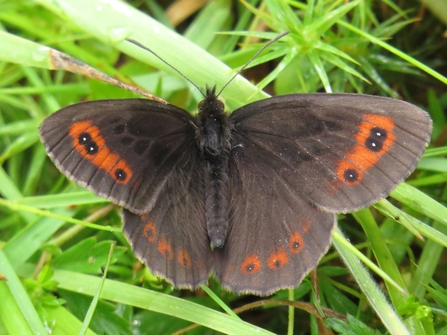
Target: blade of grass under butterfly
[(157, 302)]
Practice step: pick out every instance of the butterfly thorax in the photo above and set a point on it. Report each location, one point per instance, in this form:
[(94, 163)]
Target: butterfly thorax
[(213, 136), (214, 131)]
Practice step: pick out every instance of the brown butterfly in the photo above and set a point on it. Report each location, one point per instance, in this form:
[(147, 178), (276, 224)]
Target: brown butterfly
[(250, 197)]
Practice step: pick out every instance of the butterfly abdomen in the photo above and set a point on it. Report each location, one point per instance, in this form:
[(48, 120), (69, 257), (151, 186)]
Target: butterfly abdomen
[(213, 135)]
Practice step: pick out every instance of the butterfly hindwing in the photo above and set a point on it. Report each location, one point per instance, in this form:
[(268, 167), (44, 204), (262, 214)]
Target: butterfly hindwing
[(123, 150), (275, 237), (172, 239), (342, 152)]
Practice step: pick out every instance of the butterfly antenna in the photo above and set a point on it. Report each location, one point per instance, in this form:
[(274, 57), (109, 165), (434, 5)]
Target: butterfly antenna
[(252, 58), (232, 78), (172, 67)]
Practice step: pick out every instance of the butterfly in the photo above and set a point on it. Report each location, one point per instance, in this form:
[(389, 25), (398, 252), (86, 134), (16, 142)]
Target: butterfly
[(250, 197)]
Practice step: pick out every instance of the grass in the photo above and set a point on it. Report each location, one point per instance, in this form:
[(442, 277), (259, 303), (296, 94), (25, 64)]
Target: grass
[(56, 238)]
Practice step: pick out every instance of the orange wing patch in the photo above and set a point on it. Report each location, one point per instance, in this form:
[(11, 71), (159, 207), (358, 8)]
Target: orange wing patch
[(88, 141), (374, 139), (150, 231), (184, 259), (277, 260), (251, 265), (165, 248), (296, 243)]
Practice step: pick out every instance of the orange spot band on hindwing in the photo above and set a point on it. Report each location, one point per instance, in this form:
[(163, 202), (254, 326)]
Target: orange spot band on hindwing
[(184, 259), (305, 224), (374, 139), (277, 260), (150, 232), (296, 243), (251, 265), (88, 141), (165, 249)]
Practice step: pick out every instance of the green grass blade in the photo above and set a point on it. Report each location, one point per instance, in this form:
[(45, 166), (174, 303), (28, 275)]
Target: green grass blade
[(154, 301)]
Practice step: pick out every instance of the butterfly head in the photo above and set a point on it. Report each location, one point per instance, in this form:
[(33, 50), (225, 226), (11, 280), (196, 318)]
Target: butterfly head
[(210, 106)]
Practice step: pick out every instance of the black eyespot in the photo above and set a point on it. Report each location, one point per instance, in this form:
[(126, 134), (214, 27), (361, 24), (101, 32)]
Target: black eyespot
[(295, 245), (351, 175), (85, 139), (120, 174), (377, 137)]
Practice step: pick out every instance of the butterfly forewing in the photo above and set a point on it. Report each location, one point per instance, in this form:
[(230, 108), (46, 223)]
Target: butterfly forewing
[(123, 150), (341, 152)]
